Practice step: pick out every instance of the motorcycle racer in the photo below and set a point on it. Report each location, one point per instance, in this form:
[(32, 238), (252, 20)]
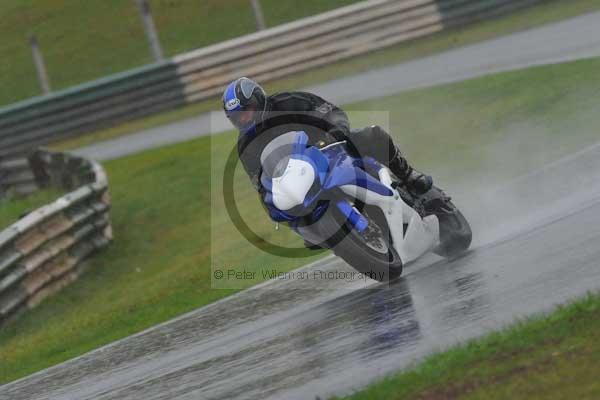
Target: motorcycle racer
[(260, 118)]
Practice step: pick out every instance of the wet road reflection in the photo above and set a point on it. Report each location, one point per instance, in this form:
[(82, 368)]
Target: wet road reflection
[(288, 340)]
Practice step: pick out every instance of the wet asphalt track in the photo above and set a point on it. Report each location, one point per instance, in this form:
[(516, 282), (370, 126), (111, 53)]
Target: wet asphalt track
[(568, 40), (538, 246)]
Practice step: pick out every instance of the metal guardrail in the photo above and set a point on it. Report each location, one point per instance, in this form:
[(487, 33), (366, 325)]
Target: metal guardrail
[(42, 252), (269, 54)]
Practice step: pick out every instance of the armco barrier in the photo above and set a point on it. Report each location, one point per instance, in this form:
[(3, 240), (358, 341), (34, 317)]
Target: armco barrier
[(42, 252), (273, 53), (16, 176)]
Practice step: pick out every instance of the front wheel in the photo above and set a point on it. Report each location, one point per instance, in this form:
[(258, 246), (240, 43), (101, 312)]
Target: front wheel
[(370, 252)]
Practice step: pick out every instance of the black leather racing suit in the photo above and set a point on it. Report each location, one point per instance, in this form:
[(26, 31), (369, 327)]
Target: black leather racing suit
[(323, 122)]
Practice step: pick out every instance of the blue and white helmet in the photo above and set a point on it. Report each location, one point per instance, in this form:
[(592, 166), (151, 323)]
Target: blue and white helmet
[(245, 103)]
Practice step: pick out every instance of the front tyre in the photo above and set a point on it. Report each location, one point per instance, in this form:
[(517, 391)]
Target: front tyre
[(370, 252)]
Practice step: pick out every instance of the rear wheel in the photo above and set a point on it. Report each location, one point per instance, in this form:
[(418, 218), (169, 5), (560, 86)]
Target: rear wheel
[(455, 231), (455, 235)]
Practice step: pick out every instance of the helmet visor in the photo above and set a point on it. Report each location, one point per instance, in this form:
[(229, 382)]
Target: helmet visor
[(243, 119)]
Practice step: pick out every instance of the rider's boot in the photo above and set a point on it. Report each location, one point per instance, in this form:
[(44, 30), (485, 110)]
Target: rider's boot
[(415, 181)]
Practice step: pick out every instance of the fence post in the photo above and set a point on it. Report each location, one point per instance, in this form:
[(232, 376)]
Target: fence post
[(40, 66), (258, 15), (150, 29)]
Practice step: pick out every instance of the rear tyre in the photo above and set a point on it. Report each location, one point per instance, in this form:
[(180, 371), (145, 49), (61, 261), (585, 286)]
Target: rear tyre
[(455, 235), (455, 231)]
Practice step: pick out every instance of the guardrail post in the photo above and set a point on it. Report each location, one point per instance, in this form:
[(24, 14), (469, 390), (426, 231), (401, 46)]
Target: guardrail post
[(258, 15), (40, 66), (150, 29), (202, 73)]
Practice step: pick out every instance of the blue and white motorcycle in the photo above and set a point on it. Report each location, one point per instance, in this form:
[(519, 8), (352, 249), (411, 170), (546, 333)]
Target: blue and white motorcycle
[(356, 207)]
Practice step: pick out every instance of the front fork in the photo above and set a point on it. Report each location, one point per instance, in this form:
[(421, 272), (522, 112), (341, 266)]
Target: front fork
[(358, 221)]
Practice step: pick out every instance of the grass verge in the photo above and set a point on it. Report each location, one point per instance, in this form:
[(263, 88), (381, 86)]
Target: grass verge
[(170, 224), (545, 357), (549, 11), (84, 40), (13, 208)]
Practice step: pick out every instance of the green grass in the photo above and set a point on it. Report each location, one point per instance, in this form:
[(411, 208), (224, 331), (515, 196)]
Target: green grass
[(546, 357), (87, 39), (549, 11), (12, 208), (507, 123), (170, 225)]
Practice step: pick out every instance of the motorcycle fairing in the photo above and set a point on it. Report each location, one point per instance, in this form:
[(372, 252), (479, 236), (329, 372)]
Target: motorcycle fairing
[(291, 188), (334, 168), (345, 171), (421, 235)]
